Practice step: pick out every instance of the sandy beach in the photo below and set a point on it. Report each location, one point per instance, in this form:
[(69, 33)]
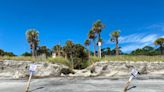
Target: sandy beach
[(81, 85)]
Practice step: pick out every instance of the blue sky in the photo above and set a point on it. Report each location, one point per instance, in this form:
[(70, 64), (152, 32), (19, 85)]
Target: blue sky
[(140, 21)]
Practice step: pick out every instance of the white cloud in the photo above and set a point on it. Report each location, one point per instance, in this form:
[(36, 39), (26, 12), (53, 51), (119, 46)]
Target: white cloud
[(132, 47), (138, 38), (156, 27), (149, 38), (135, 41), (131, 38)]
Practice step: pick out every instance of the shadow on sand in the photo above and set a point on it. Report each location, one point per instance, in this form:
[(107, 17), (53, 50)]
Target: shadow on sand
[(36, 89), (132, 87)]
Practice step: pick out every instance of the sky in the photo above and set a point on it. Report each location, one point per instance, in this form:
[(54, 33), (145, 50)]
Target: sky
[(140, 22)]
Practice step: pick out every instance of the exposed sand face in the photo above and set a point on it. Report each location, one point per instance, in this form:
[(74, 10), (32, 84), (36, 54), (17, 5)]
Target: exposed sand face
[(81, 85), (19, 69)]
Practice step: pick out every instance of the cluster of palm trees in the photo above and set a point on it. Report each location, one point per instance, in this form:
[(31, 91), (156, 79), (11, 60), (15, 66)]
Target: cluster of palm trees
[(33, 39), (32, 36), (94, 36)]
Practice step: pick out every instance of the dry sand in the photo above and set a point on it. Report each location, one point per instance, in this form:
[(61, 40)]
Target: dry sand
[(81, 85)]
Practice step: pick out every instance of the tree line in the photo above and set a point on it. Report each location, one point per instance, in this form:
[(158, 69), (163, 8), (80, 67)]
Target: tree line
[(4, 53)]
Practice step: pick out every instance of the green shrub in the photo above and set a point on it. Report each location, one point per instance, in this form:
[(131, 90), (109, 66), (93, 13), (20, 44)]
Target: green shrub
[(60, 60), (85, 64)]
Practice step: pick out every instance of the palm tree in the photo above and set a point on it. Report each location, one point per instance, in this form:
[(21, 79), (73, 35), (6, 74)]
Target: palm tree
[(57, 49), (160, 42), (87, 43), (108, 51), (32, 38), (92, 36), (68, 49), (97, 27), (1, 52), (43, 50), (114, 38)]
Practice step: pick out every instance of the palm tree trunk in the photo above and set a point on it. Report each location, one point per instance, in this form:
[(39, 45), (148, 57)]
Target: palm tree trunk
[(94, 48), (33, 50), (89, 52), (161, 49), (65, 55), (117, 48), (59, 52), (36, 52), (99, 51), (72, 64)]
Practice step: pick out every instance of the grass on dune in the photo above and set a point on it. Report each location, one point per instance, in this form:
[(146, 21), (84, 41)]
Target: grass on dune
[(18, 58), (128, 58), (134, 58), (93, 59), (22, 58), (62, 60)]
